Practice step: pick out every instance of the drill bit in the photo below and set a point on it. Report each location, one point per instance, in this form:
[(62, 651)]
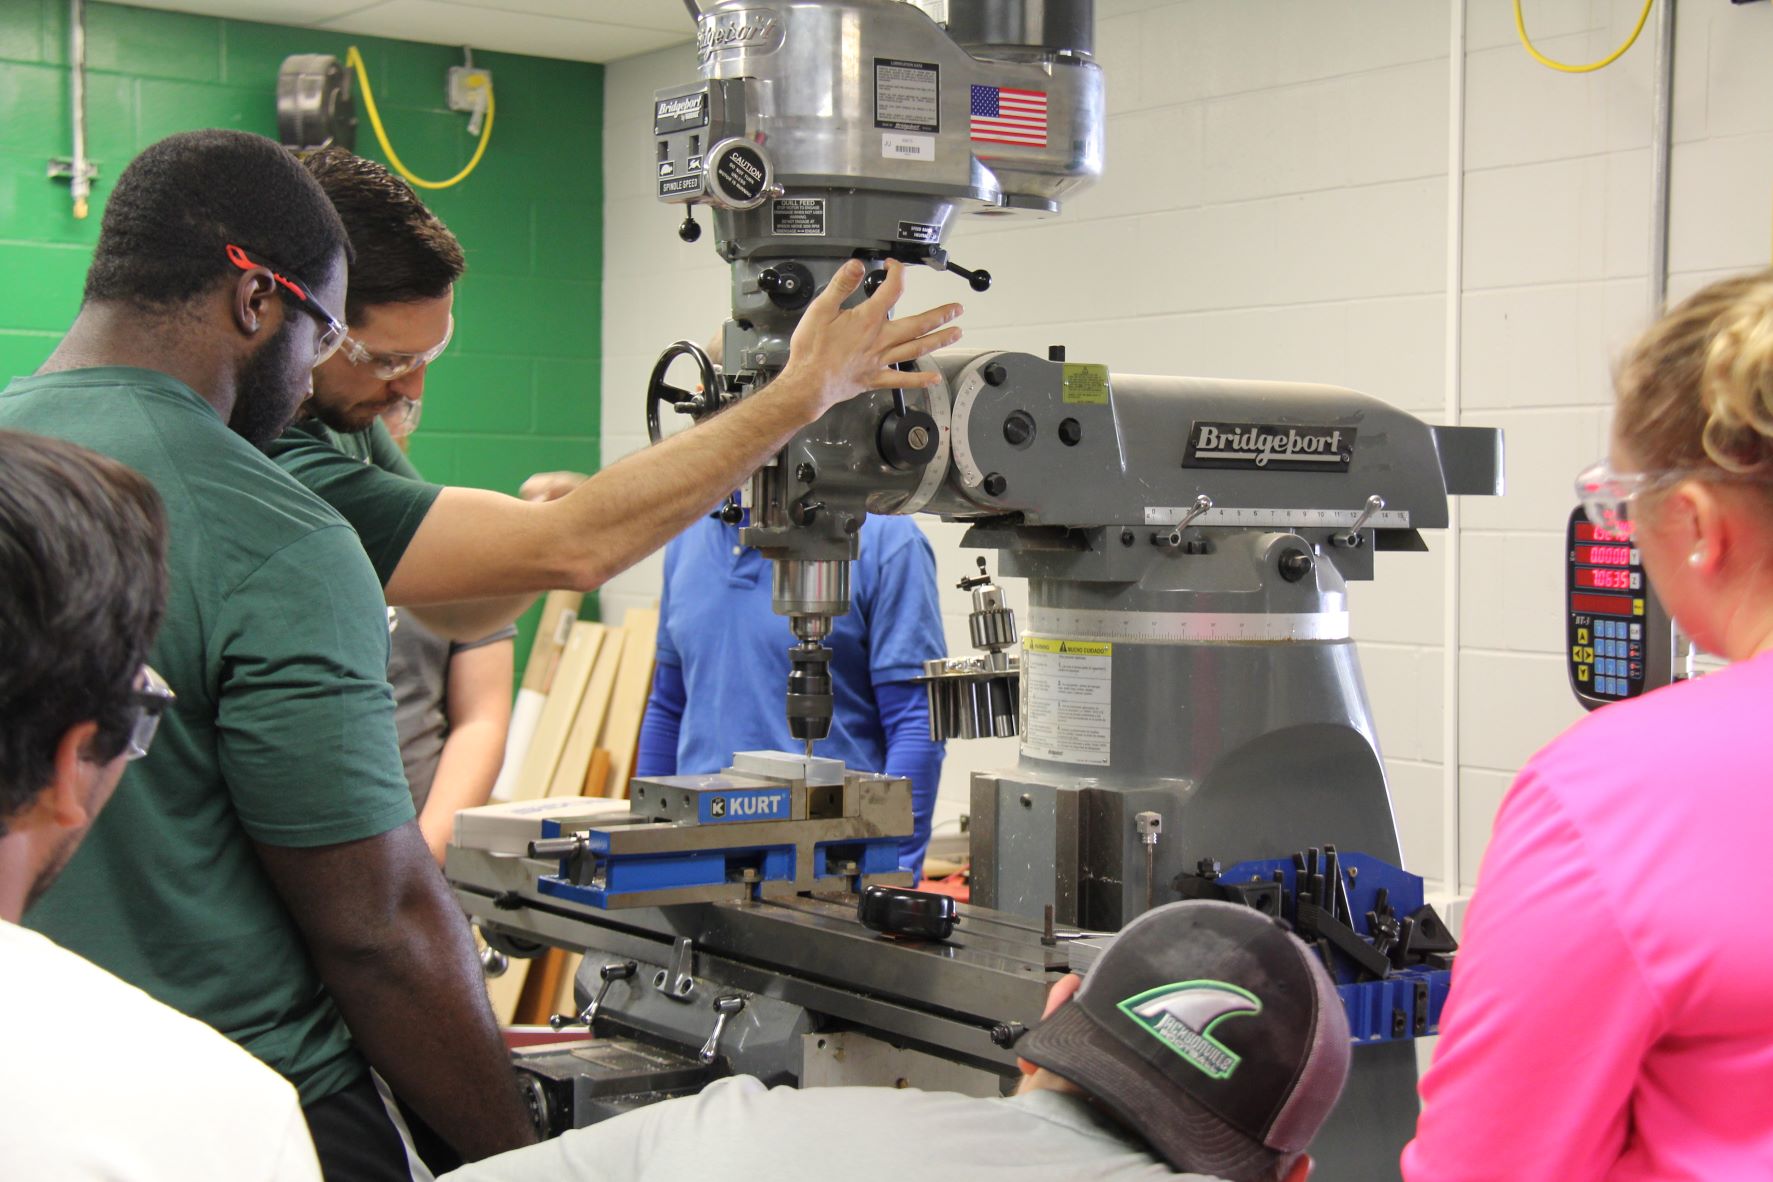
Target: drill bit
[(809, 748)]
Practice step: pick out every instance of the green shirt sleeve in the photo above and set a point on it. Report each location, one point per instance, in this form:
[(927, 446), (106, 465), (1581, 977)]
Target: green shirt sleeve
[(383, 498), (305, 720), (385, 454)]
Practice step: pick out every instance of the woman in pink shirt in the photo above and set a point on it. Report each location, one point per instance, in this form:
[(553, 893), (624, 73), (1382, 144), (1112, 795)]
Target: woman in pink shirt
[(1612, 1006)]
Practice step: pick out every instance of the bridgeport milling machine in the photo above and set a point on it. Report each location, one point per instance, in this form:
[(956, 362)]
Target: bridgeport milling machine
[(1186, 689)]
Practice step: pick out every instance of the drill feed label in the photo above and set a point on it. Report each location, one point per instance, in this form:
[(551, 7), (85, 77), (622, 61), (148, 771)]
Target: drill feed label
[(798, 217), (1067, 699), (750, 804)]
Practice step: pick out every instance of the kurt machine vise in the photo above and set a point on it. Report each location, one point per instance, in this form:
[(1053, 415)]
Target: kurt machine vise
[(1186, 695)]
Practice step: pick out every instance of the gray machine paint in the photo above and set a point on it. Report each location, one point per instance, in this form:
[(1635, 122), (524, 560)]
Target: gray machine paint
[(1238, 712)]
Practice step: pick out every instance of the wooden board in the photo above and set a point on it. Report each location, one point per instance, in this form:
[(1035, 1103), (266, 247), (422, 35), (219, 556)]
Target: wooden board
[(536, 1005), (564, 1001), (597, 777), (559, 612), (575, 758), (634, 681), (564, 696)]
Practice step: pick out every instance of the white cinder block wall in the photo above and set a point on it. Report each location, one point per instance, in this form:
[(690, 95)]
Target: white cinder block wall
[(1276, 205)]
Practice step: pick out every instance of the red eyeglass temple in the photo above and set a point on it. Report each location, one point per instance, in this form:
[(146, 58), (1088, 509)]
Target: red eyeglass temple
[(240, 259)]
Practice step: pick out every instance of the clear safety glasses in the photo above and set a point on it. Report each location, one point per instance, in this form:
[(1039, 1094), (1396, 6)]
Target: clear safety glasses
[(403, 419), (332, 330), (388, 366), (150, 699), (1607, 495)]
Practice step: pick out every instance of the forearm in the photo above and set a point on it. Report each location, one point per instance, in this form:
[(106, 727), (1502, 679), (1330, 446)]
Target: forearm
[(393, 950), (486, 548), (659, 728), (910, 752), (466, 770), (467, 619), (635, 506)]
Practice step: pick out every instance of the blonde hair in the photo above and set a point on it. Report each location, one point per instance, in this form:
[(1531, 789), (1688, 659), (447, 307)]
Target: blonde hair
[(1696, 390)]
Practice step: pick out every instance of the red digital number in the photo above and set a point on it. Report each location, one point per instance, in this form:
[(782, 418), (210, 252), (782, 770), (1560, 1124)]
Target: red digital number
[(1604, 555), (1604, 580)]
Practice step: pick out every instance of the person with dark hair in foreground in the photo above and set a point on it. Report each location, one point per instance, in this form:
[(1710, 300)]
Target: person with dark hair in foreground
[(1207, 1041), (469, 560), (260, 870), (83, 568)]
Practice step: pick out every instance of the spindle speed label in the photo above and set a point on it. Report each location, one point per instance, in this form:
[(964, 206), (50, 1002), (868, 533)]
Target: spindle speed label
[(1067, 699)]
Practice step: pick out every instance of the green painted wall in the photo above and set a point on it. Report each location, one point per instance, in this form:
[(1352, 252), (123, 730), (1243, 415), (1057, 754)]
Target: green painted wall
[(517, 392)]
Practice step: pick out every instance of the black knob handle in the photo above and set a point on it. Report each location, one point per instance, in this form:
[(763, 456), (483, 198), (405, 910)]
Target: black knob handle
[(978, 280), (690, 230), (1006, 1034), (995, 484), (907, 438), (789, 285)]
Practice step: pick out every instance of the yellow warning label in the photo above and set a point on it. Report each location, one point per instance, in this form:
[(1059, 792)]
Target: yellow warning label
[(1070, 648), (1086, 383)]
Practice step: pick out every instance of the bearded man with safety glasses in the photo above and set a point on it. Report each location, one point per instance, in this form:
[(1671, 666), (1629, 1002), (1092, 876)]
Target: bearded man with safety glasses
[(469, 560)]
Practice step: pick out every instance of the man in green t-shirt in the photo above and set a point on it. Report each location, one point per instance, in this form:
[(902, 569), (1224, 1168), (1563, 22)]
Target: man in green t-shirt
[(471, 559), (260, 869)]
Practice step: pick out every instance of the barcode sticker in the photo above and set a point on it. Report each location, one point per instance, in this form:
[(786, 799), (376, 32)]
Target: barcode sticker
[(900, 146)]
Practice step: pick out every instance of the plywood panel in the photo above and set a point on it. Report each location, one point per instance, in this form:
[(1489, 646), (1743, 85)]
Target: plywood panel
[(634, 681), (564, 696)]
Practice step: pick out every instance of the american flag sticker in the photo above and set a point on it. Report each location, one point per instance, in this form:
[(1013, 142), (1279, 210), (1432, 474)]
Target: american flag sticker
[(1003, 115)]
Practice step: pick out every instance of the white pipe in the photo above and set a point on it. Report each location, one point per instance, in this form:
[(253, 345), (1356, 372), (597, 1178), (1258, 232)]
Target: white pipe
[(80, 186), (1450, 870), (1661, 146)]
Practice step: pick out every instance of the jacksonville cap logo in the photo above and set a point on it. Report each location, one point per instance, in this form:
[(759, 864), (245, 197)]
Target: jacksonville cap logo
[(1182, 1017)]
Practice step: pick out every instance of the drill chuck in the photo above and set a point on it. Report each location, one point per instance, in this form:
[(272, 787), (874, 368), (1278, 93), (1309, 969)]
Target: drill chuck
[(809, 691)]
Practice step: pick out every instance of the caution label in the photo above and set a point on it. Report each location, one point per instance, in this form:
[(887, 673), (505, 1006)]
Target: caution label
[(1067, 699), (1087, 384)]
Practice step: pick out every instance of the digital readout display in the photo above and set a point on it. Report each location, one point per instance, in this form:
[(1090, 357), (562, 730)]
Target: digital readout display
[(1586, 532), (1601, 605), (1604, 555), (1603, 579)]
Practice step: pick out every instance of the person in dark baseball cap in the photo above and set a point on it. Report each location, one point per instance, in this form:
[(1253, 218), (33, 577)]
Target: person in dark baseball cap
[(1205, 1040), (1211, 1032)]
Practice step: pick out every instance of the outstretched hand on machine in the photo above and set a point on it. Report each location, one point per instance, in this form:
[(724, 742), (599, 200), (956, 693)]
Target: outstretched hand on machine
[(839, 352)]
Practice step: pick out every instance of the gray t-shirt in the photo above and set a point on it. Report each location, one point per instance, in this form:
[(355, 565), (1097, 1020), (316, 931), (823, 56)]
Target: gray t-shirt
[(418, 669), (737, 1128)]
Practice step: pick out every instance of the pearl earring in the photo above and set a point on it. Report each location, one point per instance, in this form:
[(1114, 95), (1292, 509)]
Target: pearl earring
[(1697, 557)]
